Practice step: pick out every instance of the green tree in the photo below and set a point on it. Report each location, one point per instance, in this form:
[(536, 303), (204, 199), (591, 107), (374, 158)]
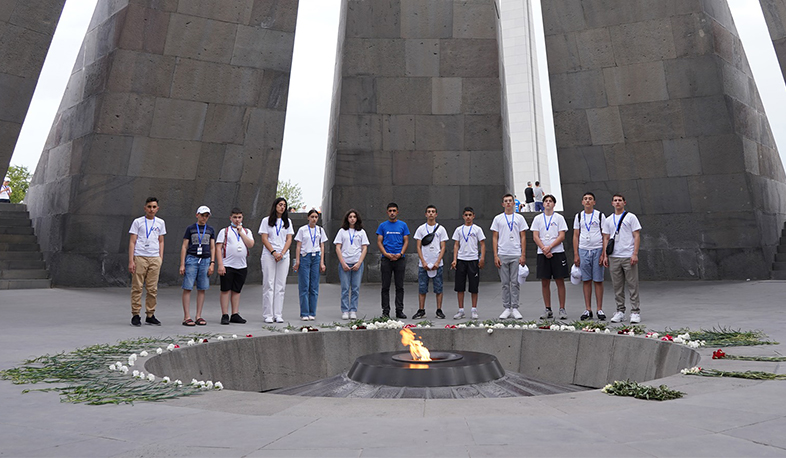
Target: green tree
[(291, 192), (20, 182)]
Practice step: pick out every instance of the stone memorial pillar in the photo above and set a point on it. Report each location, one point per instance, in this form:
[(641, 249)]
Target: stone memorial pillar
[(184, 101)]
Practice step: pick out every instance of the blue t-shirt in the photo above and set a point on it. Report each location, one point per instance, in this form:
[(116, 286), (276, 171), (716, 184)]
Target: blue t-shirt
[(193, 234), (393, 235)]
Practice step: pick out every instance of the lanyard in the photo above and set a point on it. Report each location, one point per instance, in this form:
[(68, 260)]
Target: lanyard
[(590, 223), (152, 226), (279, 225), (614, 218), (548, 224), (236, 234), (199, 236), (313, 237), (511, 222), (351, 236), (466, 237)]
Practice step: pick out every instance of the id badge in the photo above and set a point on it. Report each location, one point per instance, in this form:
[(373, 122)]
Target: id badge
[(432, 248), (199, 250), (147, 244), (511, 237), (240, 248), (314, 254)]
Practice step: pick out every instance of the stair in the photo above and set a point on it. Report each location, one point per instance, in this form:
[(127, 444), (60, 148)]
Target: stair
[(22, 265), (779, 266)]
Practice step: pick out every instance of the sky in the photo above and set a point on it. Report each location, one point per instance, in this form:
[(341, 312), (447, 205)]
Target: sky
[(308, 111)]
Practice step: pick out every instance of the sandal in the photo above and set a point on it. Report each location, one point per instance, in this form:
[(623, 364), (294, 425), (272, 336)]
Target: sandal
[(189, 322), (201, 321)]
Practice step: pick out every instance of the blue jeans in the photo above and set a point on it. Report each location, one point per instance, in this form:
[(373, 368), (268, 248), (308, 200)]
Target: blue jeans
[(196, 272), (423, 279), (308, 284), (350, 279)]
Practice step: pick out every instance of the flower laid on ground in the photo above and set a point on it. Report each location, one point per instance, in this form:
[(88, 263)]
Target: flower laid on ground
[(692, 370), (190, 343), (165, 380), (218, 386), (159, 351), (209, 385), (718, 354), (151, 378), (490, 330), (652, 335), (143, 353), (170, 347), (450, 326), (249, 335), (220, 338), (751, 375), (410, 325), (112, 367), (204, 340), (639, 391), (725, 337), (308, 329), (667, 338)]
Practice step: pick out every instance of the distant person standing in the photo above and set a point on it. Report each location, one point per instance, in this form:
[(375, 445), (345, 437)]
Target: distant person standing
[(309, 263), (467, 262), (623, 263), (5, 191), (232, 246), (197, 261), (145, 255), (392, 241), (538, 195), (276, 231), (509, 242), (430, 239), (351, 248), (529, 198)]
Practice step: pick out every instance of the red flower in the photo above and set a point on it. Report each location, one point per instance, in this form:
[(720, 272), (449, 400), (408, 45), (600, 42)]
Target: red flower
[(204, 340), (407, 326), (718, 354), (450, 326), (667, 337), (249, 335), (177, 346)]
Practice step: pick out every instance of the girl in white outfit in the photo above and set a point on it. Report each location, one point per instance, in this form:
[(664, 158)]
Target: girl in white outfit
[(276, 231)]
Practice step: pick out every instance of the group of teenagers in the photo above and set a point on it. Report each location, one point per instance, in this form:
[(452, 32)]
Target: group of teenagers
[(599, 242)]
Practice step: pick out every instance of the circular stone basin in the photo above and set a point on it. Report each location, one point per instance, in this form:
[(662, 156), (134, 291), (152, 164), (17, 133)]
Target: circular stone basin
[(452, 369)]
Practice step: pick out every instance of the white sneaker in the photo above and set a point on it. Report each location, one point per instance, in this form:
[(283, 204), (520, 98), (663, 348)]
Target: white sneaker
[(517, 314), (303, 318), (353, 316), (345, 316), (506, 314), (619, 316), (311, 318), (635, 318), (279, 319), (269, 319), (475, 314), (459, 315)]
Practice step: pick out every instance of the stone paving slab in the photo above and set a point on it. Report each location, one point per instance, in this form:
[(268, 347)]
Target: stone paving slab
[(717, 417)]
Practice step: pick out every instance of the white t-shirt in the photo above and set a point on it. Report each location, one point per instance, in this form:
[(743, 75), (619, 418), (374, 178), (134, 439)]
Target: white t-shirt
[(276, 235), (310, 239), (235, 248), (351, 244), (5, 192), (468, 238), (589, 239), (431, 251), (509, 229), (623, 243), (147, 232), (548, 234)]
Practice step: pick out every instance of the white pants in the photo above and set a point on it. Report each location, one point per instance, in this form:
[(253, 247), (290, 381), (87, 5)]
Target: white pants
[(274, 282)]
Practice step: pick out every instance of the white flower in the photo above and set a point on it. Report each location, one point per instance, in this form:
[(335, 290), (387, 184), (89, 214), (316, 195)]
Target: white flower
[(693, 344), (194, 382), (607, 331), (286, 330), (190, 343), (234, 336), (428, 325), (607, 388), (135, 373), (338, 328), (518, 326), (354, 326), (209, 385), (220, 338), (598, 330), (130, 362), (159, 351), (554, 327), (178, 382), (151, 378), (165, 379), (499, 326), (118, 364), (143, 353), (112, 367), (490, 330), (304, 330), (631, 332), (124, 369), (132, 356), (219, 386), (472, 326), (692, 370), (679, 339), (170, 347)]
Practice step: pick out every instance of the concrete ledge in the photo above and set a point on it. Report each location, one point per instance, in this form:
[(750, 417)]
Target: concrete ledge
[(277, 361)]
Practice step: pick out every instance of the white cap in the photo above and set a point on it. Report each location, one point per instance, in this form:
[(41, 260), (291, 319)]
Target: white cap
[(203, 209), (575, 274), (6, 179), (523, 273)]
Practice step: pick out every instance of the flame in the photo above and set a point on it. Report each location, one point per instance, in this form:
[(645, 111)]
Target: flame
[(416, 348), (418, 366)]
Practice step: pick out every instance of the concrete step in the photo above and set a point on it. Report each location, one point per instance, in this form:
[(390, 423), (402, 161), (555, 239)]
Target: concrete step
[(17, 238), (24, 274), (34, 255), (780, 257), (21, 264), (5, 246), (782, 248), (17, 230), (25, 283), (11, 208), (779, 274), (779, 266), (21, 219)]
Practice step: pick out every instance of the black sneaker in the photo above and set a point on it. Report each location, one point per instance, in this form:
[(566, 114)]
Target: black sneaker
[(401, 316), (419, 314), (440, 314), (587, 315), (136, 321), (224, 319), (152, 320), (601, 315), (386, 315), (236, 318)]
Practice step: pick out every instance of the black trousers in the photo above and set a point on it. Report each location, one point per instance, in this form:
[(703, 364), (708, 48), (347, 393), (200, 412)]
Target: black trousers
[(388, 269)]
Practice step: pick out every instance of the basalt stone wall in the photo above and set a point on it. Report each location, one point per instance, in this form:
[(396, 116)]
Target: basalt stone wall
[(656, 100), (775, 16), (417, 117), (26, 29), (184, 100)]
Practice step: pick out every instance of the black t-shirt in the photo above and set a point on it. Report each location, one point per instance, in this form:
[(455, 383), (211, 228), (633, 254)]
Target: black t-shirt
[(529, 195), (193, 234)]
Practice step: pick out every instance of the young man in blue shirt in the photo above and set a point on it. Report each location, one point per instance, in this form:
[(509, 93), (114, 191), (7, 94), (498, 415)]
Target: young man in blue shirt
[(392, 240)]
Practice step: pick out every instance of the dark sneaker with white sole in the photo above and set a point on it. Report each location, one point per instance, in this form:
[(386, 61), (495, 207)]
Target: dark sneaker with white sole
[(152, 320), (587, 315), (419, 314), (440, 314), (136, 321)]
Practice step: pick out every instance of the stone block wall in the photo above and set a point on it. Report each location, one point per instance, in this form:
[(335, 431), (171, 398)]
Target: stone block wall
[(775, 17), (656, 100), (417, 117), (26, 29), (182, 100)]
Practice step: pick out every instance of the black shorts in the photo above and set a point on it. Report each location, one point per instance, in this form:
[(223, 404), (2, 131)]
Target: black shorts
[(464, 270), (234, 279), (553, 267)]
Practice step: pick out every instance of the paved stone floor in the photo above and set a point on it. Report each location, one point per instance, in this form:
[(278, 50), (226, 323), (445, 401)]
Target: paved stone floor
[(717, 417)]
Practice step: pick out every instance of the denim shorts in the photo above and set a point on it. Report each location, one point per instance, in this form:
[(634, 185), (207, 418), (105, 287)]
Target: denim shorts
[(196, 271), (423, 279), (590, 269)]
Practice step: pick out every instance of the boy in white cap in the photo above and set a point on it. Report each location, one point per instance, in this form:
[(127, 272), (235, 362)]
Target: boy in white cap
[(5, 191), (197, 260)]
